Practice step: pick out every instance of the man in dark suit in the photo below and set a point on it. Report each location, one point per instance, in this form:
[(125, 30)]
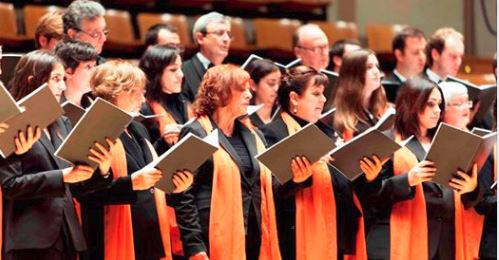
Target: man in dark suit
[(409, 50), (445, 51), (84, 21), (211, 32)]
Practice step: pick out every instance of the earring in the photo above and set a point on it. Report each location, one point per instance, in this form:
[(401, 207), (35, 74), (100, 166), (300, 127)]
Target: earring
[(295, 110)]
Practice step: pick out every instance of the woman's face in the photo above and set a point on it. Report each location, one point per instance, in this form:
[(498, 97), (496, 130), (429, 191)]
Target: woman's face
[(310, 104), (372, 77), (266, 90), (240, 100), (457, 111), (171, 79), (431, 114), (56, 81), (131, 99), (80, 76)]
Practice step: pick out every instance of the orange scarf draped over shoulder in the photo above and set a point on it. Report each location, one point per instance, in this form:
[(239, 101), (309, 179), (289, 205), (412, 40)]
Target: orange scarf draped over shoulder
[(118, 230), (408, 222), (167, 118), (226, 224), (316, 233), (409, 226)]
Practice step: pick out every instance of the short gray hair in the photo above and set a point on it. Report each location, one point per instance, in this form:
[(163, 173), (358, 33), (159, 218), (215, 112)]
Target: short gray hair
[(451, 89), (203, 21), (81, 10)]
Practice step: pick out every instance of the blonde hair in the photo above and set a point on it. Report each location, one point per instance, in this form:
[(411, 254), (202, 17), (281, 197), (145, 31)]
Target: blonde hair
[(113, 77)]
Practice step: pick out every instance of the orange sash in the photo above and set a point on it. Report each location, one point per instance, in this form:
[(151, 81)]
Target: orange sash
[(408, 222), (469, 227), (167, 119), (226, 236), (163, 121), (316, 236), (118, 230)]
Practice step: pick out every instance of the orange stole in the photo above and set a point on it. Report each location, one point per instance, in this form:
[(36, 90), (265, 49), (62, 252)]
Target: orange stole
[(409, 227), (118, 230), (226, 227), (469, 227), (163, 121), (167, 119), (408, 223), (315, 211)]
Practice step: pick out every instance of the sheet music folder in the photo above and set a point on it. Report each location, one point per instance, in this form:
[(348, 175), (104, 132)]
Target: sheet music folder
[(309, 141), (41, 109), (454, 149), (102, 119), (188, 154), (369, 143)]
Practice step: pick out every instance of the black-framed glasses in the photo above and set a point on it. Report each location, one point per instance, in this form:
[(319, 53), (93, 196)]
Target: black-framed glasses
[(95, 35)]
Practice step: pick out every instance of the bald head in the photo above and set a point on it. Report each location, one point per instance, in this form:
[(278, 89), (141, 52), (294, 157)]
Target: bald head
[(311, 46)]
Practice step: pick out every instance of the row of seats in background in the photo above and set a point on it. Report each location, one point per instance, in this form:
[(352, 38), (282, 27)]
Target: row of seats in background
[(300, 9), (268, 37)]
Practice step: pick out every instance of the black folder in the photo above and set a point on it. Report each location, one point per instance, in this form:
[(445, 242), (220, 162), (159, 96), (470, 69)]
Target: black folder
[(370, 142), (102, 119), (8, 65), (9, 107), (454, 149), (72, 111), (253, 57), (40, 109), (309, 141), (485, 94), (188, 154)]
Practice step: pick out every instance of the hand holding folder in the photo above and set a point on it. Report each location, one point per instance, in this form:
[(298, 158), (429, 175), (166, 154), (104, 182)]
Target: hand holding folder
[(453, 149), (309, 142), (94, 126), (40, 110), (186, 155)]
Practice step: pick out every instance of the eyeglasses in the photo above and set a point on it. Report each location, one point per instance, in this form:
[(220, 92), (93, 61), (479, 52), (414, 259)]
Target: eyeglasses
[(316, 49), (221, 33), (95, 35), (468, 104)]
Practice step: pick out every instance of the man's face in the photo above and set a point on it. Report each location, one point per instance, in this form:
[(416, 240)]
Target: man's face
[(216, 41), (413, 58), (93, 31), (313, 49), (165, 37), (449, 61)]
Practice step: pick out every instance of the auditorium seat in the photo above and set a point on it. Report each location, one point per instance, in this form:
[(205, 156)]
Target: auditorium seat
[(275, 37), (33, 13), (146, 20), (238, 29), (380, 36), (9, 33), (121, 38), (339, 30)]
